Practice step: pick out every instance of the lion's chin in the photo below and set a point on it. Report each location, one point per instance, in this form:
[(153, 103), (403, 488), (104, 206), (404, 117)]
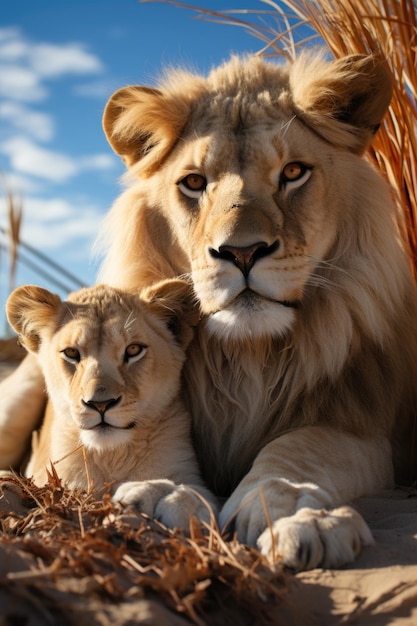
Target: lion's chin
[(102, 440), (251, 320)]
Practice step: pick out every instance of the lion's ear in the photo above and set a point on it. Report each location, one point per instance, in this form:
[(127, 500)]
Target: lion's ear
[(143, 122), (29, 309), (344, 100), (175, 302)]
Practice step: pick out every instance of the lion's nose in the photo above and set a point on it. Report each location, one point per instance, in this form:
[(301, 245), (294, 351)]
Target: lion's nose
[(101, 406), (244, 257)]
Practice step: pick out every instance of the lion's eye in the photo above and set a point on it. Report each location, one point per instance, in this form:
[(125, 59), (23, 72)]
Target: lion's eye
[(192, 185), (72, 355), (134, 352), (294, 175)]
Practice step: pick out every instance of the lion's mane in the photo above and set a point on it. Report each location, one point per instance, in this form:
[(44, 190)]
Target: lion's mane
[(346, 356)]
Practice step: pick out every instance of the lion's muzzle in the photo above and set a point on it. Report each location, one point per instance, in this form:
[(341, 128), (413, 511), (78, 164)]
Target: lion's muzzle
[(101, 406), (244, 257)]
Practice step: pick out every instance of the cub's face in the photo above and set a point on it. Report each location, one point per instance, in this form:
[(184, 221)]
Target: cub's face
[(111, 360), (114, 371)]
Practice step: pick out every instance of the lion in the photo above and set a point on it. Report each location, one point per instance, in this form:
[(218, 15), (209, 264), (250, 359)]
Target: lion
[(252, 182), (112, 363)]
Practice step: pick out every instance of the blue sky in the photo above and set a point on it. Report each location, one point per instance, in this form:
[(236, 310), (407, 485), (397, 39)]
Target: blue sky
[(59, 62)]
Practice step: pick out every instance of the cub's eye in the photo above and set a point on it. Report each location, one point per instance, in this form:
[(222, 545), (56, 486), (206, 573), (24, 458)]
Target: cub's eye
[(71, 355), (192, 185), (294, 175), (134, 352)]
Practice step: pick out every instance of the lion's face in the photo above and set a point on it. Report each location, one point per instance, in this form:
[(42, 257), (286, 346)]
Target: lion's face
[(111, 363), (253, 173), (259, 211)]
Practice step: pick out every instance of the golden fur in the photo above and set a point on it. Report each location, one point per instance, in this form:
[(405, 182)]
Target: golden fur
[(300, 379), (346, 358), (112, 366)]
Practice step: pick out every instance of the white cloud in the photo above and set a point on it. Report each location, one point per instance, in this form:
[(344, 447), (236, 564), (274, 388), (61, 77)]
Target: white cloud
[(34, 123), (25, 65), (63, 233), (97, 162), (12, 50), (51, 60), (25, 69), (18, 185), (44, 211), (11, 43), (62, 228), (28, 158), (53, 223), (95, 89), (6, 33), (20, 83)]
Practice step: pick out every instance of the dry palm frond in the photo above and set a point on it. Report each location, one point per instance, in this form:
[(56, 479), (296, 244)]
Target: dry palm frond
[(387, 28), (273, 26)]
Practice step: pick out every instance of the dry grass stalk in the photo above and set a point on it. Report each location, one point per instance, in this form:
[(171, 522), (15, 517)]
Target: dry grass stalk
[(386, 28), (15, 212), (70, 542)]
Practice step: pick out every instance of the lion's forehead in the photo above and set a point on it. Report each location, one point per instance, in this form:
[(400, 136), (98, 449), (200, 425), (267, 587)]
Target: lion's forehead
[(100, 316), (252, 151), (92, 330), (239, 115), (101, 299)]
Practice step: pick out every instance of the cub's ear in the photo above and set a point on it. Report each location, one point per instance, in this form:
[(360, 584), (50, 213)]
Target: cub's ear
[(175, 302), (29, 309), (140, 122), (344, 101)]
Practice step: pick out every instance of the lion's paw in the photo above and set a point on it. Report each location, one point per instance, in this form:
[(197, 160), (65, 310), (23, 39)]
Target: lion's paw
[(171, 504), (316, 538), (248, 511)]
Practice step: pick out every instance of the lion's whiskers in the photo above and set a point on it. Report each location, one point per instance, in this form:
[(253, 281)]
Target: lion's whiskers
[(69, 310), (316, 280), (285, 126), (129, 321), (328, 264), (68, 454)]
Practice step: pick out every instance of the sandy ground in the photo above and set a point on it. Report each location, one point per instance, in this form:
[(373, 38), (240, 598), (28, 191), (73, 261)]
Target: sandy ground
[(380, 588)]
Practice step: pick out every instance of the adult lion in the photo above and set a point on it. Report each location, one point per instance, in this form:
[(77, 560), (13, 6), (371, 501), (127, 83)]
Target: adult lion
[(301, 376)]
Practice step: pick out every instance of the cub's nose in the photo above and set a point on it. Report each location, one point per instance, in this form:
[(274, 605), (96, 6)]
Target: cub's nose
[(244, 257), (101, 406)]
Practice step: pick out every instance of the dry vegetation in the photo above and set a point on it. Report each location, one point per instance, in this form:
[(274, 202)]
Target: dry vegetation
[(15, 222), (62, 551)]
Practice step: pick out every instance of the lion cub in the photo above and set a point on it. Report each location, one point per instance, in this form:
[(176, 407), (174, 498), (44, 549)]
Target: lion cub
[(112, 363)]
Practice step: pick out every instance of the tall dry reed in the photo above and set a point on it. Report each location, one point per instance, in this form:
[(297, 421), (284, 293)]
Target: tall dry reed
[(15, 212)]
